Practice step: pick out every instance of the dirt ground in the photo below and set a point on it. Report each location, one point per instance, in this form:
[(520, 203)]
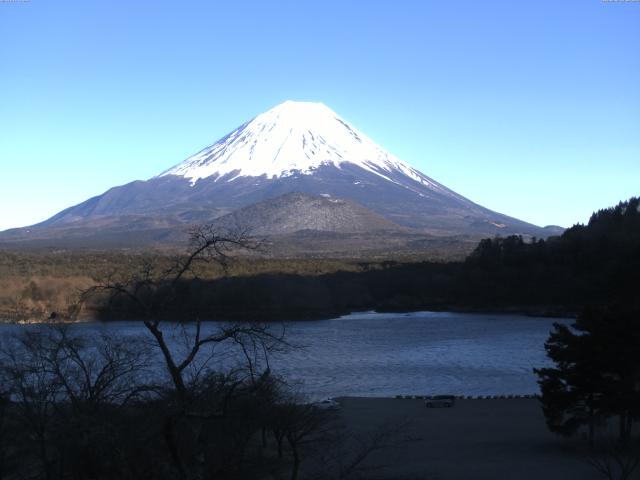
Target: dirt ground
[(492, 439)]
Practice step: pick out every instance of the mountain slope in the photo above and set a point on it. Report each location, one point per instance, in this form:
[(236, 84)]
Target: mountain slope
[(295, 138), (295, 212), (294, 147)]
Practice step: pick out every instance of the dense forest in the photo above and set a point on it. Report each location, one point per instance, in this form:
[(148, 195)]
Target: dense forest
[(589, 264)]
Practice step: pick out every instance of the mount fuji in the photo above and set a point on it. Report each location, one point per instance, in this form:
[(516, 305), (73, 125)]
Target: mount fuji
[(296, 147)]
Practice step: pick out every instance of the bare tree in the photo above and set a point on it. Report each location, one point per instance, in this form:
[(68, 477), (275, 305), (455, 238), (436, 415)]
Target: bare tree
[(150, 293), (84, 406), (305, 424), (337, 453), (34, 391), (615, 460), (353, 463), (62, 387), (321, 447), (93, 371)]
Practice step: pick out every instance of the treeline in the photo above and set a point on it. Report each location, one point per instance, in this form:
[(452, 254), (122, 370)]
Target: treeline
[(589, 264), (33, 285), (69, 263)]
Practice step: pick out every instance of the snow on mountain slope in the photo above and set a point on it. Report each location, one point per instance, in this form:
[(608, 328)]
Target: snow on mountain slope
[(295, 137), (294, 147)]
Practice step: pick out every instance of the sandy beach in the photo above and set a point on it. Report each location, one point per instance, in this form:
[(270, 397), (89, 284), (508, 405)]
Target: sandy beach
[(488, 439)]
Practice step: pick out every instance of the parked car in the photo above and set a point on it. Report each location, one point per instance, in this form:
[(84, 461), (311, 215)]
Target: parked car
[(440, 401), (327, 404)]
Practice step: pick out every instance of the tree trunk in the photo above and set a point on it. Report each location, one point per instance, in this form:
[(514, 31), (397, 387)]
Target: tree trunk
[(279, 439), (170, 440), (296, 462), (200, 457), (592, 426), (44, 457), (174, 371), (626, 422)]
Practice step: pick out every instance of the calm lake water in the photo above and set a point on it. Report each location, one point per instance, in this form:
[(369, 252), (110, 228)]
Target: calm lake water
[(421, 353)]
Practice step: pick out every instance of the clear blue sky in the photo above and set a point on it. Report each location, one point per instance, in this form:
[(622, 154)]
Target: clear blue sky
[(531, 108)]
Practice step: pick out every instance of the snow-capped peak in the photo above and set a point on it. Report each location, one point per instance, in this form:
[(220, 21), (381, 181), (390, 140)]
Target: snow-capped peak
[(293, 137)]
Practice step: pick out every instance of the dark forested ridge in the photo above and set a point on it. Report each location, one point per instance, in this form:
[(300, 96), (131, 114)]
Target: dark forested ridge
[(588, 264)]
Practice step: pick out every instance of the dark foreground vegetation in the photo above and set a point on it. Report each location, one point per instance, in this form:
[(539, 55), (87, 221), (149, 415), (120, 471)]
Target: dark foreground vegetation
[(594, 386), (598, 367), (73, 407), (207, 406)]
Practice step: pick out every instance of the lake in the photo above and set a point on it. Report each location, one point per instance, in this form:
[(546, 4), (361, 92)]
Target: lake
[(420, 353)]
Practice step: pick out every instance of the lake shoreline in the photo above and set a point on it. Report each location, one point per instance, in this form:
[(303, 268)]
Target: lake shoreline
[(296, 316)]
